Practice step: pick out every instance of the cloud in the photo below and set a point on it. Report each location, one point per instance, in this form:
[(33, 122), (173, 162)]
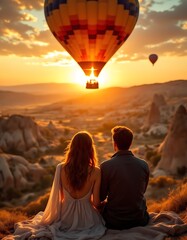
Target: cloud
[(162, 32), (30, 4), (19, 36)]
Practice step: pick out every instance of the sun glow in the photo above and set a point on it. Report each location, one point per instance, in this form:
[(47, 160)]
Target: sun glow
[(80, 78), (102, 79)]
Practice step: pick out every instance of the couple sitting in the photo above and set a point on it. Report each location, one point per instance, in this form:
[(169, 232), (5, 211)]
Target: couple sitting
[(86, 200)]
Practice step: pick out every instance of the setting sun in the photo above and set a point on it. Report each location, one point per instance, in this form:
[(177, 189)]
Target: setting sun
[(79, 77)]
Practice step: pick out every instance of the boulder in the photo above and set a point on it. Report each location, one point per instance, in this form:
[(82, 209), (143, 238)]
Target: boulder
[(7, 178), (17, 172), (157, 130), (19, 134)]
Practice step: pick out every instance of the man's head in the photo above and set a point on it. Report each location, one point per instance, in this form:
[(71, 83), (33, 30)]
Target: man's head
[(122, 137)]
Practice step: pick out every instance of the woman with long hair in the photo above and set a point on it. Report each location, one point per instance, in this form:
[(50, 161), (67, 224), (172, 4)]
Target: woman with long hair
[(80, 173), (71, 209), (81, 179)]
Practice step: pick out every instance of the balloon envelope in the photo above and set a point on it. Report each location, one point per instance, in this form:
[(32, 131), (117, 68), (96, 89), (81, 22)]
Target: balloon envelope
[(91, 31), (153, 58)]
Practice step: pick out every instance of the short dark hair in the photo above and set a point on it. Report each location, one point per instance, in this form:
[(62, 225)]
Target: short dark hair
[(122, 136)]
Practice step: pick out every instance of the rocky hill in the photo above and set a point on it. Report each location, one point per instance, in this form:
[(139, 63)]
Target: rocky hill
[(36, 94), (20, 140), (44, 88), (174, 147), (20, 134), (18, 99), (16, 172), (102, 98), (133, 95)]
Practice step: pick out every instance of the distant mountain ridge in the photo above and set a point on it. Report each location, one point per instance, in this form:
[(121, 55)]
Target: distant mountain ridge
[(44, 93), (135, 94), (56, 93), (43, 88), (11, 99)]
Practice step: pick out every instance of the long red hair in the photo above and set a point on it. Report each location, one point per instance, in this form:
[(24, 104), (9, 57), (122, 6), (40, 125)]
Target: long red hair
[(80, 159)]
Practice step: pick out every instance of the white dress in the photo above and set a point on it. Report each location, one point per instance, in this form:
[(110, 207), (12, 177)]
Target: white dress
[(66, 218)]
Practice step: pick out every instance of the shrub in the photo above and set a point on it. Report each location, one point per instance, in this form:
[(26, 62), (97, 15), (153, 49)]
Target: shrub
[(45, 182), (153, 157), (36, 206), (162, 181), (176, 201), (7, 221), (149, 154), (11, 193)]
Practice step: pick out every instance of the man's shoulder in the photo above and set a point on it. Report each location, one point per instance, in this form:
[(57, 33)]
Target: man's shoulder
[(104, 163), (142, 162), (107, 163)]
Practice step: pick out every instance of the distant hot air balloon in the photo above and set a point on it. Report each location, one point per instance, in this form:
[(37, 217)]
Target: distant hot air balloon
[(91, 31), (153, 58)]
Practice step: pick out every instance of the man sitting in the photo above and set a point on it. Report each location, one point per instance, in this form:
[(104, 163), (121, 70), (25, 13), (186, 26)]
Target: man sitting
[(123, 184)]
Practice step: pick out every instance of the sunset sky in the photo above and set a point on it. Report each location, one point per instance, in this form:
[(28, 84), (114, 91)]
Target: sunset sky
[(30, 54)]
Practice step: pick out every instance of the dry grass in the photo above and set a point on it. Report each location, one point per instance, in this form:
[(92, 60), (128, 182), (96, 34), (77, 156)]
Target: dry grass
[(8, 217), (163, 181), (177, 201), (7, 221), (36, 206)]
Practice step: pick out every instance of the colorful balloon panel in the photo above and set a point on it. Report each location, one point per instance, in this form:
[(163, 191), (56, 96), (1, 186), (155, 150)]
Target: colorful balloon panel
[(91, 30)]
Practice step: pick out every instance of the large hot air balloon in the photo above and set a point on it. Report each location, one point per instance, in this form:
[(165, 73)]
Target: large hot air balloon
[(91, 31), (153, 58)]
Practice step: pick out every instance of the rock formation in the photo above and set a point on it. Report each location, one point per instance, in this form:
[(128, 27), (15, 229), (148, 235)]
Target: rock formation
[(154, 114), (153, 117), (16, 172), (174, 147), (159, 100), (157, 130), (19, 134)]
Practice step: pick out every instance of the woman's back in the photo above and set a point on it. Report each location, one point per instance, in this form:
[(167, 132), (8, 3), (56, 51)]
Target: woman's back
[(88, 186), (79, 219)]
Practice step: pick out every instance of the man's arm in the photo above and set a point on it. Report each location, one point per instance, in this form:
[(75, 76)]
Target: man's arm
[(104, 184)]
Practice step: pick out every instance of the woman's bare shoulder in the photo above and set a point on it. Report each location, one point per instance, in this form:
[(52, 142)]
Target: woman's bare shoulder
[(96, 171), (97, 168), (62, 166)]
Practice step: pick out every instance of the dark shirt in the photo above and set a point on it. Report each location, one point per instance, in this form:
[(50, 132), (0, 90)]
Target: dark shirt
[(124, 182)]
